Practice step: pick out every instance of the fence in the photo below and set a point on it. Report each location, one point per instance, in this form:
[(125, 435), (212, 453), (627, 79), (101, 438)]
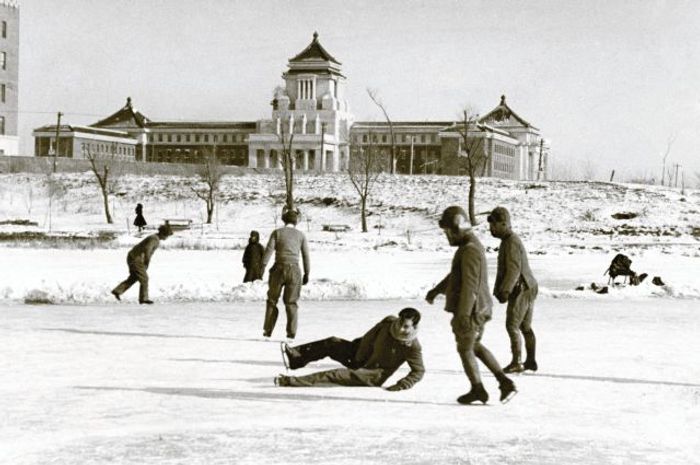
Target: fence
[(71, 165)]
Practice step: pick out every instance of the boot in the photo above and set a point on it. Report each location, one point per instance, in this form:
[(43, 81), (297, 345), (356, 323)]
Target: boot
[(530, 365), (514, 367), (476, 393), (290, 356), (508, 390)]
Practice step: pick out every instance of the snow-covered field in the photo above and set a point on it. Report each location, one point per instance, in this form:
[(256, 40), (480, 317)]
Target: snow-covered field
[(189, 380)]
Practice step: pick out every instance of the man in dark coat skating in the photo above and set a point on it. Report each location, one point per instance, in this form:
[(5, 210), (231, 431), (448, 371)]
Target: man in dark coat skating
[(467, 297), (252, 258), (286, 243), (516, 285), (369, 360), (138, 259)]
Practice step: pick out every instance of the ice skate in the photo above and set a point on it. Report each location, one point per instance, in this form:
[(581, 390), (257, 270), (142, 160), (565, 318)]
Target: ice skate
[(508, 390), (530, 365), (514, 367), (116, 295), (476, 393)]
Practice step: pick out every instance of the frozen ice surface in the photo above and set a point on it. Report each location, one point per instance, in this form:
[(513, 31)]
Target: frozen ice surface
[(191, 383)]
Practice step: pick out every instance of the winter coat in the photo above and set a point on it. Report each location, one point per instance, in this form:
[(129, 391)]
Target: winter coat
[(513, 268), (287, 242), (466, 288), (252, 261), (139, 221), (378, 349), (144, 250)]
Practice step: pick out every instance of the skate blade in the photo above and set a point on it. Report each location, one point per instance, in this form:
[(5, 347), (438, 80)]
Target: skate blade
[(510, 396), (284, 358)]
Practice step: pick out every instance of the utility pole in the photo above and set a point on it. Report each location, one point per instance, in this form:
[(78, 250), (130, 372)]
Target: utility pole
[(58, 129), (323, 155), (410, 166), (675, 178), (539, 165)]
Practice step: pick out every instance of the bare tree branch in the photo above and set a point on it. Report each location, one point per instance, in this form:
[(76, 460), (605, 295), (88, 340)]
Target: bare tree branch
[(373, 94)]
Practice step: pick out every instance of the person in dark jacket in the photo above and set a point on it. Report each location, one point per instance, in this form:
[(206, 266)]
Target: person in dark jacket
[(467, 297), (516, 285), (252, 258), (286, 243), (139, 221), (369, 360), (138, 259)]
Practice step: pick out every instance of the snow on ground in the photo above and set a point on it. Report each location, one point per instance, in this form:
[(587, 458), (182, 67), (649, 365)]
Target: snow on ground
[(192, 384)]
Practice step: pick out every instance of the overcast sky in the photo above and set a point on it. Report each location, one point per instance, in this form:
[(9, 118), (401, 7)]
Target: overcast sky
[(605, 81)]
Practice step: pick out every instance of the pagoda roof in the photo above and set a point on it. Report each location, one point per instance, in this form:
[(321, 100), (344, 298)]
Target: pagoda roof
[(127, 115), (503, 113), (314, 51)]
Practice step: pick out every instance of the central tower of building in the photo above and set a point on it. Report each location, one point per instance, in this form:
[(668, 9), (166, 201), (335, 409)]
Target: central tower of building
[(312, 109)]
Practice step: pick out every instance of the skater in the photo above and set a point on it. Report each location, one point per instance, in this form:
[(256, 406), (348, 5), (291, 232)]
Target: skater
[(369, 360), (467, 298), (139, 221), (286, 243), (516, 285), (252, 258), (138, 259)]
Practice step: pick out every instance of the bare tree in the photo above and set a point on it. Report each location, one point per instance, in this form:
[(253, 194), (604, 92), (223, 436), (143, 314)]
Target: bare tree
[(210, 174), (288, 165), (669, 143), (373, 94), (364, 167), (102, 167), (471, 148)]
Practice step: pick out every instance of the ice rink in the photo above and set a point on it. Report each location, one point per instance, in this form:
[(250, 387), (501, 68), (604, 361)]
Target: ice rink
[(189, 384)]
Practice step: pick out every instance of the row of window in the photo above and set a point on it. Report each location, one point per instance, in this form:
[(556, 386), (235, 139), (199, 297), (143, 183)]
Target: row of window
[(505, 150), (205, 138), (4, 29), (225, 156), (96, 148), (2, 125), (503, 164), (399, 138)]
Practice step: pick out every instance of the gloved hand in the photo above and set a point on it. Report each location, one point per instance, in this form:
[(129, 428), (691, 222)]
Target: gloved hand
[(394, 388), (305, 279), (502, 297), (430, 296)]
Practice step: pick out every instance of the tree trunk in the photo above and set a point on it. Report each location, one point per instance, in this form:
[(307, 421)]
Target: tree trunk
[(105, 199), (210, 210), (472, 192), (364, 214)]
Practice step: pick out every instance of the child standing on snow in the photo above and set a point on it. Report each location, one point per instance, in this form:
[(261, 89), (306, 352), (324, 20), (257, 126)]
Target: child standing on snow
[(252, 258), (139, 221)]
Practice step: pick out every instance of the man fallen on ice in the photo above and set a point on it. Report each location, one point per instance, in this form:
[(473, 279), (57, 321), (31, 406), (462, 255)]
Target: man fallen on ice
[(369, 360)]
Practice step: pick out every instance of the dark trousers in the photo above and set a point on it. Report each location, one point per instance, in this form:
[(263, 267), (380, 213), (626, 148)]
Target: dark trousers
[(287, 276), (137, 272), (340, 350), (519, 320), (469, 347)]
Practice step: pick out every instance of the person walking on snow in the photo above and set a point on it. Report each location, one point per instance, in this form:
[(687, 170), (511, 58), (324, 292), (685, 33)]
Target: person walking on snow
[(516, 285), (467, 297), (369, 360), (139, 221), (138, 259), (252, 258), (286, 243)]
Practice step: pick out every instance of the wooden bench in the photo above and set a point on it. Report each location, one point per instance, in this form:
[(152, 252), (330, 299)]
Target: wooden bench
[(178, 224), (336, 227)]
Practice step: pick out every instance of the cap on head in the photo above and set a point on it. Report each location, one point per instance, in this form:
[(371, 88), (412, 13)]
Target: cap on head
[(290, 216), (165, 230), (498, 215), (454, 217), (255, 234)]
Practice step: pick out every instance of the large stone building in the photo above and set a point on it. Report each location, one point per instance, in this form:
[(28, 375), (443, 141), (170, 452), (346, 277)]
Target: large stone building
[(9, 76), (311, 117)]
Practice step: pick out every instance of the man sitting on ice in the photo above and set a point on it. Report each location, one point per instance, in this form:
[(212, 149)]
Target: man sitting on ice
[(369, 360)]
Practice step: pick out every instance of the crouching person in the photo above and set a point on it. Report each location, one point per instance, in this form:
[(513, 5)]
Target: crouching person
[(369, 360)]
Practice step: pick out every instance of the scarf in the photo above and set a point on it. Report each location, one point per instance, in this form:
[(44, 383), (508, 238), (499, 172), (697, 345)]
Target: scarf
[(404, 339)]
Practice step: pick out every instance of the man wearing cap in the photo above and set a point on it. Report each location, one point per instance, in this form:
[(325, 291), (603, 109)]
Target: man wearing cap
[(516, 285), (369, 360), (138, 259), (286, 243), (467, 297)]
